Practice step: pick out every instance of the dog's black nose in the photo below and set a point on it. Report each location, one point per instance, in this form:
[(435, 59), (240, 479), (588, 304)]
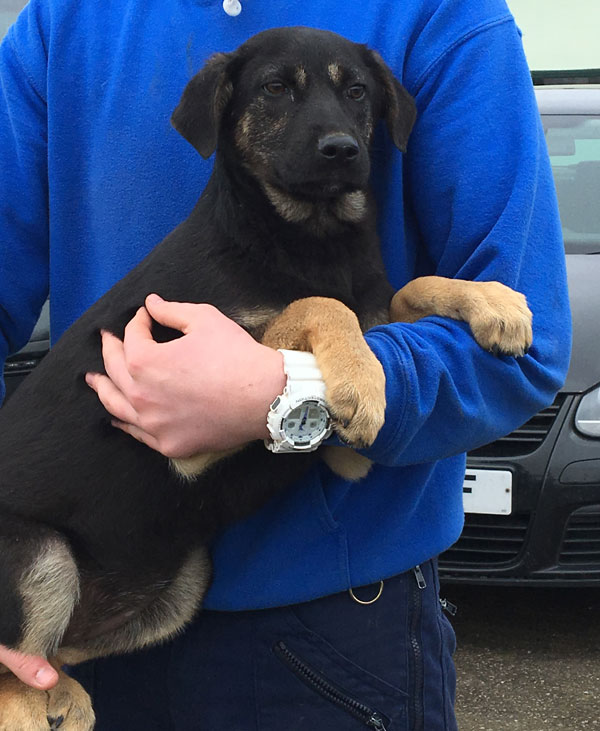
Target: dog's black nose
[(338, 147)]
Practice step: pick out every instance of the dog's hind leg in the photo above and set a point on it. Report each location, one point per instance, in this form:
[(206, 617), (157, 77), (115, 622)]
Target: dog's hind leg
[(160, 619), (40, 588)]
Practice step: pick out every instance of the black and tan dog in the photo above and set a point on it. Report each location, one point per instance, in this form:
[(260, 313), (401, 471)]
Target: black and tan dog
[(102, 542)]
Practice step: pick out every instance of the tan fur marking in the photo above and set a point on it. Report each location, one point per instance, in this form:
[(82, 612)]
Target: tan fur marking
[(168, 614), (49, 590), (289, 208), (346, 462), (190, 467), (301, 77), (321, 217), (352, 206), (256, 140), (278, 125), (255, 318), (242, 131), (335, 73), (253, 138)]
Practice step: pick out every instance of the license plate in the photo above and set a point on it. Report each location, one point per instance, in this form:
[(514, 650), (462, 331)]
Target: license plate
[(488, 491)]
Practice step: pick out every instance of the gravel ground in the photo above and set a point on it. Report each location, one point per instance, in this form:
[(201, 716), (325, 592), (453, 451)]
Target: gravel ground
[(527, 659)]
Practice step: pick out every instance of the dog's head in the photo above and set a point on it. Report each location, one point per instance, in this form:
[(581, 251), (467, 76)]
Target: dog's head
[(297, 107)]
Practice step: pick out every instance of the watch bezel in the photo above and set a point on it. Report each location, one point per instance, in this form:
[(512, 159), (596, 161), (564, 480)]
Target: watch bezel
[(317, 439), (280, 440)]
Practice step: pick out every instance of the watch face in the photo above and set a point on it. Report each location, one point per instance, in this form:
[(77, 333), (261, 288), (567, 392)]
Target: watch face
[(306, 422)]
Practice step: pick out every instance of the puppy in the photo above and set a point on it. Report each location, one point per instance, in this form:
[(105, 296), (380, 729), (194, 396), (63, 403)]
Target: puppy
[(102, 543)]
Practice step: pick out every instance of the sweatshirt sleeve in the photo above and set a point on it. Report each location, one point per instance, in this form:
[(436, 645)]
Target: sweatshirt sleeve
[(481, 196), (23, 181)]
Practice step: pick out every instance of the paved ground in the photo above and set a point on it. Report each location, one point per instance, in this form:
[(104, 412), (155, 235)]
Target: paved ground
[(527, 659)]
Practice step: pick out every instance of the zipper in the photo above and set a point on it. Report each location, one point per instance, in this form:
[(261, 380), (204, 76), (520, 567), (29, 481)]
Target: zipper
[(418, 679), (421, 583), (447, 606), (369, 716)]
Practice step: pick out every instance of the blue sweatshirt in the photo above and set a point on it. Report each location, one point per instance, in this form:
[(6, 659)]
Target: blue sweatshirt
[(93, 176)]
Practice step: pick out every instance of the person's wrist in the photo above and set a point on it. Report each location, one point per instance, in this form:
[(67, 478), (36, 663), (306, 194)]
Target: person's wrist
[(270, 385)]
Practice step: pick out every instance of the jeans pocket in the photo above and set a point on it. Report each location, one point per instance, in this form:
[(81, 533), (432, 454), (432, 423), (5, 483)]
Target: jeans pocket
[(304, 683)]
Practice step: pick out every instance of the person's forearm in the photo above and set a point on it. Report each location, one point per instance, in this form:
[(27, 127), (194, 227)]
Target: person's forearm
[(446, 395)]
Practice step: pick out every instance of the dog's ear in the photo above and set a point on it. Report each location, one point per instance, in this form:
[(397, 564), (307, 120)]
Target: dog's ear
[(400, 110), (197, 117)]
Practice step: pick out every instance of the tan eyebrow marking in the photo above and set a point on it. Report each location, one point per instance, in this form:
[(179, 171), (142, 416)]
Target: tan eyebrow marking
[(335, 73), (301, 77)]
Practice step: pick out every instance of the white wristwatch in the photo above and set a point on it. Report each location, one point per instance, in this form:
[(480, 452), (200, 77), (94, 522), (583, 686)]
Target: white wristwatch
[(298, 420)]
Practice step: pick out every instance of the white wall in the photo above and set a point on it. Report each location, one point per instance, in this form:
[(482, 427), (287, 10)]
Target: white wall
[(559, 34)]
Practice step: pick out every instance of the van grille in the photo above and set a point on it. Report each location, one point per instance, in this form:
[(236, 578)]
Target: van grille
[(526, 438), (487, 539), (581, 541)]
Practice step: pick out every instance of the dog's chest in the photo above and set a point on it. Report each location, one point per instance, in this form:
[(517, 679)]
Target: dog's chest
[(257, 296)]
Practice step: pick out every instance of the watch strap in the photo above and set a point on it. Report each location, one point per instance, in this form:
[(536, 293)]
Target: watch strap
[(303, 374), (304, 383)]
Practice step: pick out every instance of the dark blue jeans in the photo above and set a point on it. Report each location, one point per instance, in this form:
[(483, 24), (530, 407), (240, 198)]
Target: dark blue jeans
[(326, 665)]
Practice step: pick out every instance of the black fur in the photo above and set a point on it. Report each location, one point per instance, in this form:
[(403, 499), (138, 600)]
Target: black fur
[(128, 519)]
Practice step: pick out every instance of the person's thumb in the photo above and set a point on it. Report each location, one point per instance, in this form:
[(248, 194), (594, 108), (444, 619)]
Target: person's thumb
[(176, 315), (32, 670)]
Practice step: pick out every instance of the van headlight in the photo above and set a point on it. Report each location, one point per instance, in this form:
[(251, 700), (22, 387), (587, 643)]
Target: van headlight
[(587, 416)]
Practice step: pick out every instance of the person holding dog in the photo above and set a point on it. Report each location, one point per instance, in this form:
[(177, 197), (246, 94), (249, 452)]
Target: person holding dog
[(324, 609)]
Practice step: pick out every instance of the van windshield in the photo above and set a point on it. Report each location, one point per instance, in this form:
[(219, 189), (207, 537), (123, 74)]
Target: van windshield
[(574, 147)]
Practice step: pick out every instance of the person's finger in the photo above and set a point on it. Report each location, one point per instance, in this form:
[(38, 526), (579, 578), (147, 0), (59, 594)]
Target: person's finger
[(113, 355), (137, 338), (32, 670), (138, 331), (137, 433), (176, 315), (111, 397)]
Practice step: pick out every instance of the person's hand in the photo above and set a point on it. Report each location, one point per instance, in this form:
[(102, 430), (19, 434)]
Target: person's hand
[(32, 670), (206, 391)]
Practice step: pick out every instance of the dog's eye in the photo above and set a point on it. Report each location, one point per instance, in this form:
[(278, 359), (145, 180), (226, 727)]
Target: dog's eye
[(275, 88), (356, 92)]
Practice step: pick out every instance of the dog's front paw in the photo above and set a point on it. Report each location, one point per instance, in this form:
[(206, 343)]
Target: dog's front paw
[(69, 707), (355, 394), (66, 707), (502, 321)]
